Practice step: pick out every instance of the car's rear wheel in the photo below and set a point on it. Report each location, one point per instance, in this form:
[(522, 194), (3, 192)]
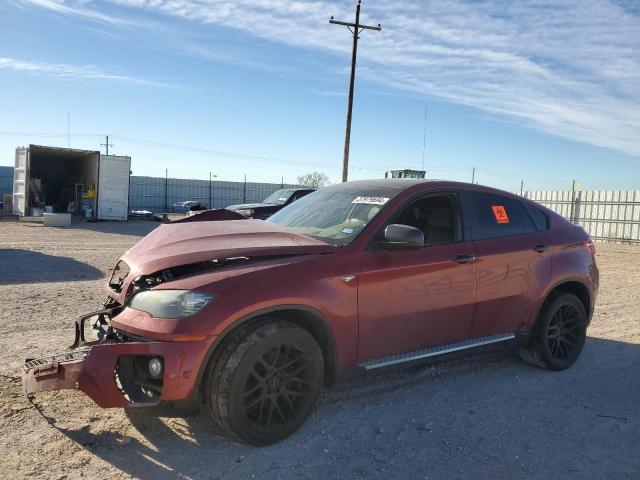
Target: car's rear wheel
[(559, 334), (265, 382)]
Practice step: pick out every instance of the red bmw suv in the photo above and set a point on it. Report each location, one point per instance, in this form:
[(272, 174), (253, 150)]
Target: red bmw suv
[(248, 319)]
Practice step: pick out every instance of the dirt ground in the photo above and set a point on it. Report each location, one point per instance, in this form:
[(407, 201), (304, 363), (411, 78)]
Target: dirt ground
[(488, 416)]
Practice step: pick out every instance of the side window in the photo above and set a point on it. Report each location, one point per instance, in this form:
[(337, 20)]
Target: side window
[(436, 215), (498, 216), (539, 218), (299, 194)]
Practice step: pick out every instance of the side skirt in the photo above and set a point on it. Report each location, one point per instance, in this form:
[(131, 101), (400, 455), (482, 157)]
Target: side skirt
[(435, 351)]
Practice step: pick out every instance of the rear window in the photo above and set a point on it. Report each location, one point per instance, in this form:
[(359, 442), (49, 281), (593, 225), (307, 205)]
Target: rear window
[(498, 216)]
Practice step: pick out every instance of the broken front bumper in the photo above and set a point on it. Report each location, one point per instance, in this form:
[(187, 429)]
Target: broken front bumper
[(106, 370)]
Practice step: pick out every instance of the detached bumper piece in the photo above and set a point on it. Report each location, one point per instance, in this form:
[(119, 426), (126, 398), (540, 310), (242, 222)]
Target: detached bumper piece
[(43, 367), (118, 374)]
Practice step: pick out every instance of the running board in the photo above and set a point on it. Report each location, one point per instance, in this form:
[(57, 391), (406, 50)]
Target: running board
[(435, 351)]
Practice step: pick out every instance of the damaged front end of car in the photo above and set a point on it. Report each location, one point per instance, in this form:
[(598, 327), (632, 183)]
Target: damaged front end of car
[(149, 344), (117, 369)]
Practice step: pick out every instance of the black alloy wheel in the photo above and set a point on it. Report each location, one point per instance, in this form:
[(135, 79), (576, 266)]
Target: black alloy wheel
[(564, 333), (265, 382), (279, 387), (559, 334)]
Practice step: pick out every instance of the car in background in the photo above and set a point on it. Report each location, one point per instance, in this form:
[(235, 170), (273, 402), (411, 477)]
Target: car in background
[(247, 320), (270, 205), (188, 206)]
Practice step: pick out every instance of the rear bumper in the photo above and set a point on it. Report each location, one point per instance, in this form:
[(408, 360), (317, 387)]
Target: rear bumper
[(93, 369)]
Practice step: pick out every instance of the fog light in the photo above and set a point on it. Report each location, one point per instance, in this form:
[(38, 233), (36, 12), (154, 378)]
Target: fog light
[(155, 367)]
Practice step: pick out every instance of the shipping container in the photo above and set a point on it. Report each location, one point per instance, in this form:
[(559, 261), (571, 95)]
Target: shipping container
[(82, 182)]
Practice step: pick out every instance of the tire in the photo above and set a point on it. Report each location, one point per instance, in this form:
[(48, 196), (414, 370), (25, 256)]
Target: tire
[(265, 382), (558, 335)]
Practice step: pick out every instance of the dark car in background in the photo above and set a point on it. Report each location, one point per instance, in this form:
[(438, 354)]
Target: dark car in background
[(188, 206), (270, 205)]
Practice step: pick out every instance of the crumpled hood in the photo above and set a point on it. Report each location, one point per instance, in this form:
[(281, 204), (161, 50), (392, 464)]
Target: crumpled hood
[(171, 245)]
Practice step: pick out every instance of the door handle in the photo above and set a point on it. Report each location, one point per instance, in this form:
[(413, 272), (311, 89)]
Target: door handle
[(462, 259), (540, 248)]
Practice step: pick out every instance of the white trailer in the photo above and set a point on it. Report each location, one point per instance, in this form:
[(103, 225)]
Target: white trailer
[(57, 176)]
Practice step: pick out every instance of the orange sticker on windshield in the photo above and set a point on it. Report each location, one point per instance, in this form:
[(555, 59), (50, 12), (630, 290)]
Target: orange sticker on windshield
[(500, 213)]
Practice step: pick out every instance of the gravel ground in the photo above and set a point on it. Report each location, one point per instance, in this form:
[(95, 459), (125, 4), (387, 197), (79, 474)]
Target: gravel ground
[(487, 416)]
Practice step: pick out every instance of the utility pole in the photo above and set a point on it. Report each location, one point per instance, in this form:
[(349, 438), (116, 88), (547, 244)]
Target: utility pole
[(107, 145), (473, 175), (166, 189), (573, 199), (211, 177), (355, 28), (424, 136), (69, 129), (521, 186), (244, 192)]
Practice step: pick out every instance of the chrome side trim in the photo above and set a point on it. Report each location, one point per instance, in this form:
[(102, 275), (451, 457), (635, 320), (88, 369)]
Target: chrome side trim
[(435, 351)]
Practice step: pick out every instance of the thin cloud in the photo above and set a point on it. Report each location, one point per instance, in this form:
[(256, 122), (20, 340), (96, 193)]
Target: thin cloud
[(569, 68), (64, 70), (77, 8)]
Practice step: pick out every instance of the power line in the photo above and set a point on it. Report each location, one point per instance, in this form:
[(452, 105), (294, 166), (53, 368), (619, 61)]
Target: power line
[(223, 154), (242, 156), (355, 28)]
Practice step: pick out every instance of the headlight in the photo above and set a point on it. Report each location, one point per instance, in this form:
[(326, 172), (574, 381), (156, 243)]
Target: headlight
[(170, 303), (246, 212)]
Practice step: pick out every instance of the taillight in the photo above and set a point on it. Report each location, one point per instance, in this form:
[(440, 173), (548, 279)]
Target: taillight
[(590, 246)]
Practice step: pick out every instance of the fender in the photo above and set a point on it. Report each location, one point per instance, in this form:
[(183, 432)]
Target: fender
[(559, 283), (332, 360)]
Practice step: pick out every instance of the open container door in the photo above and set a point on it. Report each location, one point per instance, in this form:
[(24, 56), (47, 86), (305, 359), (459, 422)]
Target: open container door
[(113, 187), (20, 182)]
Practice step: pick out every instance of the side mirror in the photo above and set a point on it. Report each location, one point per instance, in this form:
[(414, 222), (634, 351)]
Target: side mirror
[(401, 237)]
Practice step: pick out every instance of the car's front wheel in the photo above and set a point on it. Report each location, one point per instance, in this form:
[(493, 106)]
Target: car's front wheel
[(559, 334), (265, 382)]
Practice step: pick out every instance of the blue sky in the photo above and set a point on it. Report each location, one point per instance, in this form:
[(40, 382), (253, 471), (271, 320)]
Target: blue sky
[(540, 91)]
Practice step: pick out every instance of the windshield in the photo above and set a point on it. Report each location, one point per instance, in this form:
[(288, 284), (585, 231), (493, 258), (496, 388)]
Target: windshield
[(334, 214), (279, 197)]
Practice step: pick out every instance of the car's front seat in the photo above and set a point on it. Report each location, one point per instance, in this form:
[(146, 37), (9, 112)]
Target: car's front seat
[(439, 226)]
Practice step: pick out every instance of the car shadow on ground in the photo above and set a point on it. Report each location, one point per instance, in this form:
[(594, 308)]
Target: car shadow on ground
[(26, 266), (487, 416)]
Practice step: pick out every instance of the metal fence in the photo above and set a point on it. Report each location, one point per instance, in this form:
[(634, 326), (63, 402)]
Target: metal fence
[(159, 194), (6, 181), (612, 215)]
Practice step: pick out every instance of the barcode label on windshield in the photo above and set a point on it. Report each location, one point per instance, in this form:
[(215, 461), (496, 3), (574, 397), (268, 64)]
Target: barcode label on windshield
[(371, 200)]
